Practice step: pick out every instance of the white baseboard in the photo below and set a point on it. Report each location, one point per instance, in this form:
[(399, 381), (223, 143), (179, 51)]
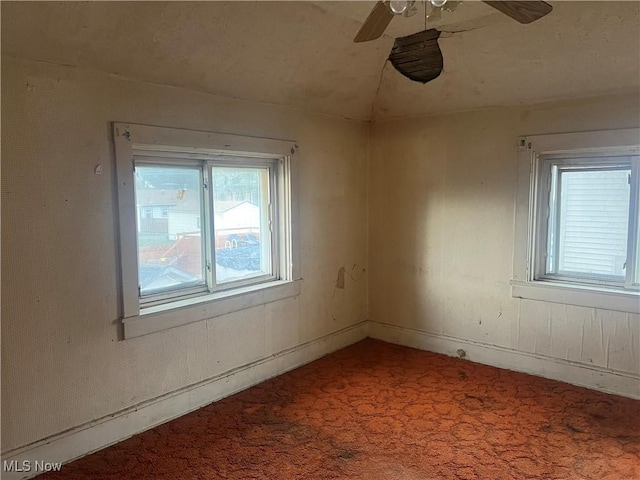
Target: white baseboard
[(86, 439), (596, 378)]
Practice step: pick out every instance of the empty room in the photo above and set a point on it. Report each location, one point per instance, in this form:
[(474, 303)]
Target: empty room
[(320, 240)]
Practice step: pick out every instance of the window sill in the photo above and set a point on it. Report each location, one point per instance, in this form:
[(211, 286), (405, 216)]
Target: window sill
[(584, 296), (183, 312)]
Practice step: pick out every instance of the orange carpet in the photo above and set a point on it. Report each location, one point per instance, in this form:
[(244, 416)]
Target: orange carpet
[(379, 411)]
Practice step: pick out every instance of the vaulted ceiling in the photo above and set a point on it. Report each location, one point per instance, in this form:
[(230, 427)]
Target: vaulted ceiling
[(302, 54)]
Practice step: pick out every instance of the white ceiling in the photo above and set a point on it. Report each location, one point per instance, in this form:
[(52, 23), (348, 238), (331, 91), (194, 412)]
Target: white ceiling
[(301, 54)]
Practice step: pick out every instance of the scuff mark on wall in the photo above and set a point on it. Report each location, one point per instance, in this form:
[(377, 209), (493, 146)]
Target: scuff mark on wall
[(360, 275), (340, 279)]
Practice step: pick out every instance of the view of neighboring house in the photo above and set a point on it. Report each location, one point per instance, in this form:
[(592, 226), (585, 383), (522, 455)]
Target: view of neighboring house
[(169, 237), (167, 212), (234, 220)]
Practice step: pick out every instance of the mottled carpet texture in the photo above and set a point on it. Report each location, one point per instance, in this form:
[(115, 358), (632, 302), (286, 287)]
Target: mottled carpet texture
[(380, 411)]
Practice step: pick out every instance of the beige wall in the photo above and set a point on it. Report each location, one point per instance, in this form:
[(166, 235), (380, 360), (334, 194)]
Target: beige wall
[(442, 191), (62, 362)]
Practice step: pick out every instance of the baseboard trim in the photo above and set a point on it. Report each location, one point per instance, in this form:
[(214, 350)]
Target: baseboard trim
[(94, 436), (596, 378)]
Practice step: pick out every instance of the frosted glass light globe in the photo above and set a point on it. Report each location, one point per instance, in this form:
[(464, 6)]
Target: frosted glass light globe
[(398, 7)]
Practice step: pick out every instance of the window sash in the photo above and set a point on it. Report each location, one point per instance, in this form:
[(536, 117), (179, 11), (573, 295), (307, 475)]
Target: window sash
[(545, 216), (270, 247), (190, 288), (205, 164)]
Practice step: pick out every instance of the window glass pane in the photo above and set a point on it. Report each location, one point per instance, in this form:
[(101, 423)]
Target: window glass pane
[(241, 222), (553, 222), (168, 206), (589, 221)]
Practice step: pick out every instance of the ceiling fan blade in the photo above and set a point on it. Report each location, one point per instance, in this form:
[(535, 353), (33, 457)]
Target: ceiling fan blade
[(375, 24), (523, 12)]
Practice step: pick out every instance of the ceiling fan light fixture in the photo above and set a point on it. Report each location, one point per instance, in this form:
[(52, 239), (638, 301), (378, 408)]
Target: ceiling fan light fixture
[(434, 14), (399, 7), (523, 11), (411, 11), (451, 6)]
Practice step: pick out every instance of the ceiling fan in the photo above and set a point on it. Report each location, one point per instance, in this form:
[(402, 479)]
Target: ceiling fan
[(418, 56), (382, 13)]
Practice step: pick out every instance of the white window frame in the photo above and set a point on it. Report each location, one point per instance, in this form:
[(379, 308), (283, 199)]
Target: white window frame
[(135, 142), (535, 154)]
